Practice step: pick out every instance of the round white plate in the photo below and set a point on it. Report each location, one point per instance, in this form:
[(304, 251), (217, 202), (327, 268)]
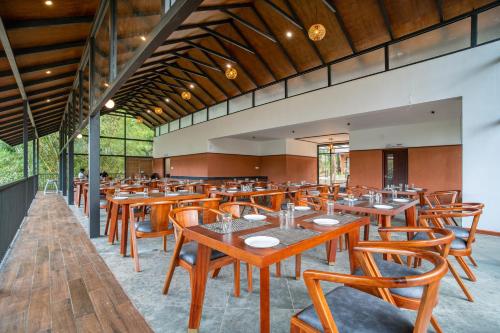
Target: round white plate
[(354, 199), (411, 190), (262, 242), (231, 191), (400, 200), (260, 189), (182, 191), (326, 221), (383, 206), (120, 198), (233, 188), (139, 192), (417, 189), (302, 208), (254, 217), (172, 194)]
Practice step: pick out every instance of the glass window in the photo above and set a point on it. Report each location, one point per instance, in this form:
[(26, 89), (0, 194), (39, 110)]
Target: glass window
[(101, 57), (363, 65), (163, 129), (139, 148), (138, 131), (488, 25), (271, 93), (135, 20), (333, 164), (217, 110), (113, 165), (112, 146), (452, 37), (240, 103), (174, 125), (200, 116), (81, 162), (81, 146), (307, 82), (112, 126), (187, 121)]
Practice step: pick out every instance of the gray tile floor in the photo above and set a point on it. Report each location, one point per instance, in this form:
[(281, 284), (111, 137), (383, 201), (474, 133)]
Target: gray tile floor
[(225, 313)]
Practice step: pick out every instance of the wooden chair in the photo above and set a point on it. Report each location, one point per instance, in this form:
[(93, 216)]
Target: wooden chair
[(274, 200), (185, 251), (347, 309), (409, 298), (462, 244), (156, 226), (439, 198), (206, 216)]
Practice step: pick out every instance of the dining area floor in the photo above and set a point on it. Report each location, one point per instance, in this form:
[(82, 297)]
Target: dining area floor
[(223, 312)]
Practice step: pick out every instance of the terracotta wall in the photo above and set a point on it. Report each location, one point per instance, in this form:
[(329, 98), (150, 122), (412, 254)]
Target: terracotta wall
[(435, 168), (135, 164), (278, 168), (366, 168), (159, 166)]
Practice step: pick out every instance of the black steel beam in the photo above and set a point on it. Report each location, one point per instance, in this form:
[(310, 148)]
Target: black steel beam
[(333, 8), (439, 7), (39, 81), (199, 62), (385, 16), (284, 14), (46, 48), (223, 7), (48, 22), (42, 67), (229, 40), (250, 26), (212, 52)]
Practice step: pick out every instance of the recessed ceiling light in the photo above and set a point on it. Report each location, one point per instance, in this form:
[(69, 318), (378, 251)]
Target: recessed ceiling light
[(289, 34), (167, 100), (48, 100), (49, 3), (191, 86), (110, 104), (48, 72), (143, 38), (228, 65), (148, 111), (79, 136), (106, 84)]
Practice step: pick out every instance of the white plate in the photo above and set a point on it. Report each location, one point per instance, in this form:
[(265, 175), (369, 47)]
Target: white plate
[(120, 198), (262, 242), (139, 192), (172, 194), (233, 188), (383, 207), (400, 200), (254, 217), (353, 199), (411, 190), (417, 188), (259, 188), (231, 191), (302, 208), (326, 221), (182, 191)]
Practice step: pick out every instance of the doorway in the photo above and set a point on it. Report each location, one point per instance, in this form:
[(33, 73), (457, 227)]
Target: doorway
[(395, 167)]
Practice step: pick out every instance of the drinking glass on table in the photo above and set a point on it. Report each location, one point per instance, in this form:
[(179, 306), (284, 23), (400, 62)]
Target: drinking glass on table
[(283, 219), (290, 207), (117, 191), (378, 197), (330, 208), (146, 190), (394, 194), (227, 220)]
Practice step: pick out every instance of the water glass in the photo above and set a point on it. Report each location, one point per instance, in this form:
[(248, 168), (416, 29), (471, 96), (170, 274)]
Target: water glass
[(394, 194), (330, 208), (146, 190), (283, 219), (378, 197), (117, 191), (227, 220), (290, 207)]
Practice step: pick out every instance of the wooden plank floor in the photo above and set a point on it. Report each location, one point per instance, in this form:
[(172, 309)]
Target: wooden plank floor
[(54, 280)]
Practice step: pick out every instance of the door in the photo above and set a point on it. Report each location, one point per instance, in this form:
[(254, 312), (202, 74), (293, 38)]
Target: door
[(395, 167)]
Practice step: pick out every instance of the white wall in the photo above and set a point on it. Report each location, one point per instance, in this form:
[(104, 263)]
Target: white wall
[(301, 148), (438, 133), (234, 146), (472, 74)]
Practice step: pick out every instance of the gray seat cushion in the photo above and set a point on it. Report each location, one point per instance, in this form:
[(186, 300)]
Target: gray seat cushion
[(143, 226), (458, 231), (189, 251), (393, 269), (359, 312), (456, 244)]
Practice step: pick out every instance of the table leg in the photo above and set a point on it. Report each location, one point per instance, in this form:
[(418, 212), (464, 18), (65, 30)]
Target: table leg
[(331, 251), (78, 195), (353, 241), (123, 242), (265, 316), (112, 220), (200, 275), (411, 219)]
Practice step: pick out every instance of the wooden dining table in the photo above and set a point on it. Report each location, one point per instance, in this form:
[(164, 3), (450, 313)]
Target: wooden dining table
[(125, 200), (233, 245), (417, 193), (234, 195)]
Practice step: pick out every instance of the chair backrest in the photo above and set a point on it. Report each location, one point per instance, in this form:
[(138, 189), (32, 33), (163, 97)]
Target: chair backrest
[(429, 280), (213, 203), (358, 190), (438, 198), (440, 216), (184, 217), (270, 200), (236, 208), (158, 213)]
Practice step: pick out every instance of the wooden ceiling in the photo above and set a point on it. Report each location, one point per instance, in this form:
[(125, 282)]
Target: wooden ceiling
[(249, 35), (47, 42)]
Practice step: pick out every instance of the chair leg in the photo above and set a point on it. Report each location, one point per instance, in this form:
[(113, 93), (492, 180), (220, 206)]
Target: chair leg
[(278, 269), (435, 324), (165, 243), (298, 262), (294, 328), (466, 269), (366, 235), (341, 244), (249, 278), (473, 262), (236, 278), (459, 281), (173, 264), (215, 273), (133, 248)]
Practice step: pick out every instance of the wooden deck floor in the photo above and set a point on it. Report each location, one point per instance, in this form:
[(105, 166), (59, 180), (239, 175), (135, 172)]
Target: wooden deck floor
[(54, 280)]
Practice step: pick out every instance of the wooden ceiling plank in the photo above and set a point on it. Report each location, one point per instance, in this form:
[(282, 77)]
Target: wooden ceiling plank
[(284, 14), (229, 40), (185, 70), (169, 93), (331, 5), (199, 62), (48, 22), (223, 7), (250, 26), (385, 16), (45, 48), (39, 81), (188, 88), (214, 82), (36, 68), (212, 52), (439, 7)]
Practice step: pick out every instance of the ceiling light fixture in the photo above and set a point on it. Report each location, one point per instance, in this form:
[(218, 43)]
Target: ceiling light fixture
[(289, 34), (191, 86), (158, 110), (317, 31), (48, 72), (148, 111), (49, 3), (138, 120), (186, 95), (167, 100), (231, 72), (48, 100), (143, 38), (106, 84), (79, 136), (110, 104)]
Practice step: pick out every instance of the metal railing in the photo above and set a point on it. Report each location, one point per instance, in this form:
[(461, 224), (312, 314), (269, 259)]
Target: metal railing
[(43, 177), (15, 200)]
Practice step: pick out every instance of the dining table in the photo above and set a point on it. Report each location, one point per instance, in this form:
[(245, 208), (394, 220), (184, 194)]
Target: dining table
[(298, 236), (233, 195), (415, 193), (122, 202)]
